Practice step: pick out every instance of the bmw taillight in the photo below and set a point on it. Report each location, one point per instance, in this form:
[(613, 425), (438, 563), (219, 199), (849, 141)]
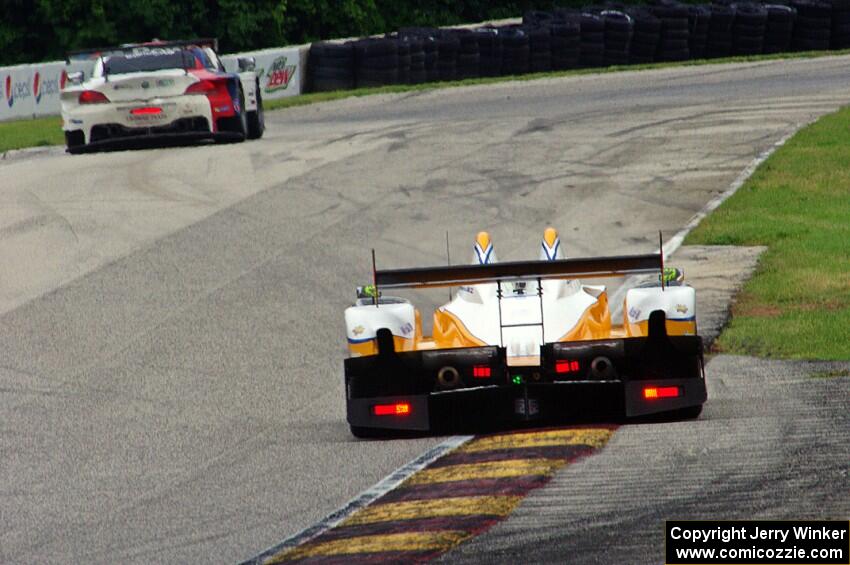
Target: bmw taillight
[(202, 87), (217, 92), (93, 97)]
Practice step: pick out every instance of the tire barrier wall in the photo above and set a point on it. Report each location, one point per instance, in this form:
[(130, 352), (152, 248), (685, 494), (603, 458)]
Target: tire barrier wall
[(595, 36), (600, 35), (33, 90)]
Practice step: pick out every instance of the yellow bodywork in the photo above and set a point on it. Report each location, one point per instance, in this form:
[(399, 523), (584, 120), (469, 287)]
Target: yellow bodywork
[(449, 331)]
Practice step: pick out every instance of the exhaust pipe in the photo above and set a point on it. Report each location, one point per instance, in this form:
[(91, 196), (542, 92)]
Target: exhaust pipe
[(448, 377), (602, 368)]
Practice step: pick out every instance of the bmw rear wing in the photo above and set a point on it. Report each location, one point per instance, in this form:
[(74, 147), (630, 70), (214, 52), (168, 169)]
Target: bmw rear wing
[(455, 275), (137, 48)]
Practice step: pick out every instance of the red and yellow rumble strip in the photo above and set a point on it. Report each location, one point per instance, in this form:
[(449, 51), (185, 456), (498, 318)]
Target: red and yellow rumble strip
[(455, 498)]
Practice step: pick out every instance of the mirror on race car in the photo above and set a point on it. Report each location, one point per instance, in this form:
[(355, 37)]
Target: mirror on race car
[(75, 78), (246, 64), (368, 291)]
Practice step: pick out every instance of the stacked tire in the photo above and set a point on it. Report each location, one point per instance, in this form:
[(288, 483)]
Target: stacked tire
[(699, 20), (424, 65), (403, 48), (592, 45), (448, 47), (645, 38), (515, 50), (840, 37), (565, 42), (674, 43), (813, 28), (619, 28), (539, 48), (331, 67), (430, 48), (468, 57), (779, 28), (489, 52), (749, 28), (417, 74), (720, 36), (376, 62)]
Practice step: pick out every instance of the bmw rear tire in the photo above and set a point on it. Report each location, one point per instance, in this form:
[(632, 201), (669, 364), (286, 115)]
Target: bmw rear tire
[(257, 119)]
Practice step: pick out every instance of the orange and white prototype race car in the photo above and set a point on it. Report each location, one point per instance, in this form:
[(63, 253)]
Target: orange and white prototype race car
[(522, 341)]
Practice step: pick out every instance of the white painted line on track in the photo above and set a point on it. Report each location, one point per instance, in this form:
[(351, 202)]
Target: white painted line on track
[(365, 498), (675, 242)]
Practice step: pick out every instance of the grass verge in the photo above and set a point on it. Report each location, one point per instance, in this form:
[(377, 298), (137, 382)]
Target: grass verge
[(797, 304), (31, 133)]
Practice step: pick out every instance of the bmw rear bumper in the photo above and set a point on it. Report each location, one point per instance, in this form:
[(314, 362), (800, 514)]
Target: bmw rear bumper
[(154, 139), (184, 130)]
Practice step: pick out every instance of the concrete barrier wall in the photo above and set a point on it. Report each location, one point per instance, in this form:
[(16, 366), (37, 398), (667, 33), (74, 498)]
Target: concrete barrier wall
[(33, 90), (280, 70)]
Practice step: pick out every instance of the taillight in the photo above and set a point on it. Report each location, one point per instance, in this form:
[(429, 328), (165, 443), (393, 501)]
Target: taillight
[(566, 366), (397, 409), (146, 111), (661, 392), (92, 97), (481, 371), (201, 87)]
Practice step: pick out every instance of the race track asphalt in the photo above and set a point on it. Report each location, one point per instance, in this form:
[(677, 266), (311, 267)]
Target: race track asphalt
[(171, 331)]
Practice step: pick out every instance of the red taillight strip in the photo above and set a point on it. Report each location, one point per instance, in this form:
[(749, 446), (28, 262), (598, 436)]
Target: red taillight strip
[(397, 409), (661, 392), (566, 366), (146, 111)]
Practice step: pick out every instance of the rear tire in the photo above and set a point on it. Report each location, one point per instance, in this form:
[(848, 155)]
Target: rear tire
[(257, 119), (75, 141), (236, 124), (242, 122), (689, 413)]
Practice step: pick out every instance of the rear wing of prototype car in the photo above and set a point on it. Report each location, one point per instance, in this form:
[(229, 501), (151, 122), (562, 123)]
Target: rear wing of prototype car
[(138, 49), (455, 275)]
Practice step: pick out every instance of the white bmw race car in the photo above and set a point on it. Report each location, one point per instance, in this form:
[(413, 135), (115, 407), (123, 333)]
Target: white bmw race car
[(522, 340), (164, 90)]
